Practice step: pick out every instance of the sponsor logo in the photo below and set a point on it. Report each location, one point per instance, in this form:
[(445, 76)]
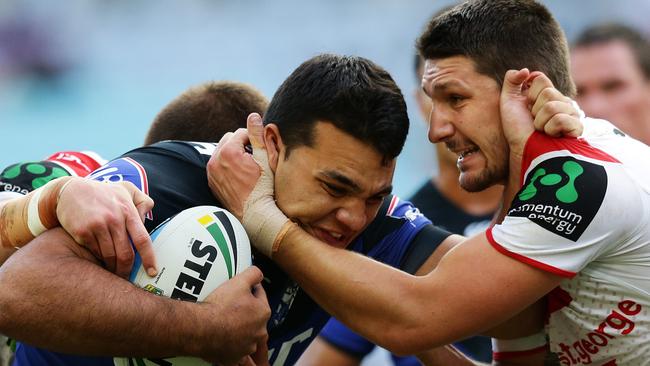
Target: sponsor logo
[(217, 234), (190, 282), (26, 177), (153, 289), (562, 195), (124, 170), (617, 323)]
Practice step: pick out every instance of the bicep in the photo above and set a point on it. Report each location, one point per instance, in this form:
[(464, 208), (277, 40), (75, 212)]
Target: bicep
[(430, 263), (482, 287)]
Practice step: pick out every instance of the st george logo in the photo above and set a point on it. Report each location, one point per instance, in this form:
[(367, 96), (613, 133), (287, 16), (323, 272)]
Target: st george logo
[(562, 195)]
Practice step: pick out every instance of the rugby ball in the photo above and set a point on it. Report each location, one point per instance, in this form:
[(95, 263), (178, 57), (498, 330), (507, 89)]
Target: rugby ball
[(196, 251)]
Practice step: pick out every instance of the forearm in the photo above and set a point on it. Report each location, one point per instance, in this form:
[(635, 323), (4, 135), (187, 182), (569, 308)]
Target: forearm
[(409, 314), (52, 295), (5, 251), (332, 276)]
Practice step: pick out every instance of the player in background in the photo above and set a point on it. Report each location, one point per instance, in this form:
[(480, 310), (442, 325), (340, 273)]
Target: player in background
[(574, 222), (203, 112), (610, 64), (447, 205)]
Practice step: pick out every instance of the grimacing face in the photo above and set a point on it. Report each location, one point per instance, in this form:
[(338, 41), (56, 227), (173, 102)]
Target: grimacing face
[(465, 116), (334, 188)]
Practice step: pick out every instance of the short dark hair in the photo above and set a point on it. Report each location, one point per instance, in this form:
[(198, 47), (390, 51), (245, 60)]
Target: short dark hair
[(353, 93), (610, 32), (206, 112), (499, 35)]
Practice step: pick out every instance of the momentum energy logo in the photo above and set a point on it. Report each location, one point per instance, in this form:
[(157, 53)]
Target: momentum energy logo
[(562, 195)]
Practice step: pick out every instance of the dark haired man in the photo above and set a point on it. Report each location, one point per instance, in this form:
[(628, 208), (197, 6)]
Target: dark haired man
[(574, 217), (448, 206), (610, 64), (337, 124), (334, 173)]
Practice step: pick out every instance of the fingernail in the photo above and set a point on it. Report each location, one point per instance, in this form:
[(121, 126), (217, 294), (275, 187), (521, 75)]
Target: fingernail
[(257, 118), (152, 272)]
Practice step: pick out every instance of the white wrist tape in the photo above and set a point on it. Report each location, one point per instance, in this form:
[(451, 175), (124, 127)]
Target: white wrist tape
[(34, 222), (262, 218), (507, 348)]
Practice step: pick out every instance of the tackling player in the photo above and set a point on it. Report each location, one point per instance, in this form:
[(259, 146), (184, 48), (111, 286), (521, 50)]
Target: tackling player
[(343, 180), (574, 223)]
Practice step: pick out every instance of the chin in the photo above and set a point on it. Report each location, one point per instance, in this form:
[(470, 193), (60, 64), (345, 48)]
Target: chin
[(474, 183)]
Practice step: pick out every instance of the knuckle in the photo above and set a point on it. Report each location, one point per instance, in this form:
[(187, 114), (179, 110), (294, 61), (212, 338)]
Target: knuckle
[(548, 93)]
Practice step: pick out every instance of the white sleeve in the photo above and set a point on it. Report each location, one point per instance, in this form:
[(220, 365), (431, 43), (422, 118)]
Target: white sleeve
[(569, 211)]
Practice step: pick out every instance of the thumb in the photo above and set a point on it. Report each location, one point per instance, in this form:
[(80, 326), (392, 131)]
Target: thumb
[(251, 276), (255, 131), (142, 202), (514, 82), (516, 120)]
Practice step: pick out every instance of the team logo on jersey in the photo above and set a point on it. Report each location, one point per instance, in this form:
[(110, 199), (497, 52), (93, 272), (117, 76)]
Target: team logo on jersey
[(562, 195), (26, 177), (124, 170)]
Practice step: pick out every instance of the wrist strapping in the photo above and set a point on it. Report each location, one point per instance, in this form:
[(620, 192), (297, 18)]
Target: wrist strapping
[(508, 348), (263, 220), (24, 218)]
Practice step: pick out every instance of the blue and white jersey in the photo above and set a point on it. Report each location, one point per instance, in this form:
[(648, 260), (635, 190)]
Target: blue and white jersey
[(173, 174)]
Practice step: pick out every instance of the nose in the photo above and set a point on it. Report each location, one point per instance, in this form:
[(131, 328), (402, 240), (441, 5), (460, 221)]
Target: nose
[(440, 126), (353, 214)]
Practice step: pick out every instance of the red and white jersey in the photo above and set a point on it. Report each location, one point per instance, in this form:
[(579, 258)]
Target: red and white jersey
[(583, 212), (21, 178)]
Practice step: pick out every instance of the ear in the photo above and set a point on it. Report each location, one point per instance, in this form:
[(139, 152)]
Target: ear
[(274, 145)]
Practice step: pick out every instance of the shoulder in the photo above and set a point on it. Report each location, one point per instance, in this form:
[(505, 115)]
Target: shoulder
[(24, 177), (395, 215)]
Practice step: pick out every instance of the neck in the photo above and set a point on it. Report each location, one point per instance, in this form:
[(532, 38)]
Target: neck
[(475, 203)]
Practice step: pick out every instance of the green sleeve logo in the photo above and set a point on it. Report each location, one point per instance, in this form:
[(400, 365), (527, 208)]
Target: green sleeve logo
[(562, 195), (567, 193)]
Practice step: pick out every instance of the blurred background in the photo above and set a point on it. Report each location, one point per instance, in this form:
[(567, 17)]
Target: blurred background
[(92, 74)]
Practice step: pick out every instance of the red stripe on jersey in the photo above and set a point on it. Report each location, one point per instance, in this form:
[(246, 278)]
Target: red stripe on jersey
[(75, 162), (539, 143), (393, 204), (524, 259), (506, 355)]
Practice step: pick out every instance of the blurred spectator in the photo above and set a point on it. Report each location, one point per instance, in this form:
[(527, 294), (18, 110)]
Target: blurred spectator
[(610, 64), (27, 48)]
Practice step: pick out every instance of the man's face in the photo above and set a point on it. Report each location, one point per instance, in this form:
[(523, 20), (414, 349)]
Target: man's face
[(333, 188), (465, 116), (612, 86)]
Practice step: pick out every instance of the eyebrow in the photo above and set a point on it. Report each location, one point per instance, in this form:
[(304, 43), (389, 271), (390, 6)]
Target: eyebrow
[(353, 186), (442, 86)]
